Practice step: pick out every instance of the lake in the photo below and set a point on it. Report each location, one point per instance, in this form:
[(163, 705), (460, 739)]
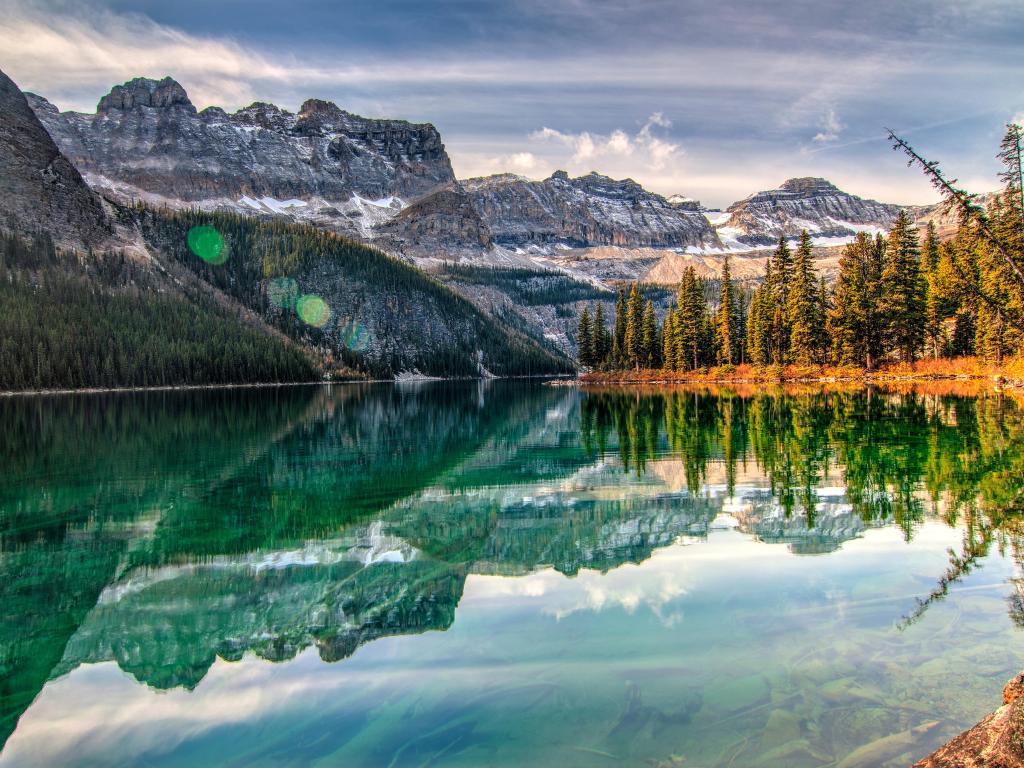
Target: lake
[(505, 574)]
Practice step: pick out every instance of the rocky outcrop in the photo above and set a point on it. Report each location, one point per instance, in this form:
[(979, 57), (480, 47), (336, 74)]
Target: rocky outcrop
[(995, 742), (590, 210), (147, 140), (39, 188), (440, 225), (143, 92), (807, 203)]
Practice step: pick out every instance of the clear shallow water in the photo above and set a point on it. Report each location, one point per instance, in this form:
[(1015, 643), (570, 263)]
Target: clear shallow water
[(504, 574)]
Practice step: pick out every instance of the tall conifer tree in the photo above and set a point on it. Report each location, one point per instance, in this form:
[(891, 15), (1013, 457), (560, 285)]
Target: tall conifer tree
[(668, 341), (619, 341), (601, 346), (802, 306), (903, 291), (651, 343), (585, 339), (634, 329), (726, 319), (782, 268)]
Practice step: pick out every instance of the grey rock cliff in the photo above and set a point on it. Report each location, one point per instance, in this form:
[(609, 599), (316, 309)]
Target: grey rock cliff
[(586, 211), (147, 139), (440, 224), (39, 188)]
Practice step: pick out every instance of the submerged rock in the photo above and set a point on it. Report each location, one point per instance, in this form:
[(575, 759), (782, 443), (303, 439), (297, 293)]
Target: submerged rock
[(995, 742)]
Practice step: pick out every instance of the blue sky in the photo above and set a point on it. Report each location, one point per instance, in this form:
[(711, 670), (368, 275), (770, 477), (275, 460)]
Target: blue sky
[(710, 100)]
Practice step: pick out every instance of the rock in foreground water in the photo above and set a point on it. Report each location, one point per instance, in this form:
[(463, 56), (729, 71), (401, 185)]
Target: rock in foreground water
[(995, 742)]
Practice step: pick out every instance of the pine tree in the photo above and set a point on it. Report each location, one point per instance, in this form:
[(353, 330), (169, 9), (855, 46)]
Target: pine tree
[(903, 292), (633, 343), (1011, 155), (996, 336), (693, 323), (601, 341), (725, 319), (760, 319), (651, 342), (778, 302), (755, 350), (934, 345), (585, 340), (619, 342), (852, 319), (930, 250), (821, 320), (802, 305), (668, 341)]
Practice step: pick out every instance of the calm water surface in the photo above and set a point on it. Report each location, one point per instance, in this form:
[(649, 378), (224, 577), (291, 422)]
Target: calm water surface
[(504, 574)]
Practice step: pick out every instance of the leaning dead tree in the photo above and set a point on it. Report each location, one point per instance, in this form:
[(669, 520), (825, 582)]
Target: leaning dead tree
[(964, 203)]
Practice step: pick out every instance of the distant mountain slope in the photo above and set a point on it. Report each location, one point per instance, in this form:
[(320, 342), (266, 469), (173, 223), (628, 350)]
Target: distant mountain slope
[(146, 140), (809, 203), (363, 308), (585, 211), (39, 188)]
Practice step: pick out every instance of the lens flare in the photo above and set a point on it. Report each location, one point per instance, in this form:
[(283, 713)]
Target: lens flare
[(207, 243), (355, 336), (313, 310), (283, 292)]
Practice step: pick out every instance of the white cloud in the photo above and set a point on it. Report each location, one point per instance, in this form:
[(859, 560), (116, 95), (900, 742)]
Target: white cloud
[(831, 127), (653, 151), (523, 163)]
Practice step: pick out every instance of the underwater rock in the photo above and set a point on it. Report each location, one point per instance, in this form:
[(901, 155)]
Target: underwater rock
[(782, 728), (995, 742), (882, 750)]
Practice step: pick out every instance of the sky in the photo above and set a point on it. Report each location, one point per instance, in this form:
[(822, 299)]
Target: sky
[(712, 100)]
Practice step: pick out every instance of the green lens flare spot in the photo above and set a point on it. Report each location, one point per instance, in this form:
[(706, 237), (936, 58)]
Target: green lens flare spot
[(355, 337), (313, 310), (207, 244), (283, 292)]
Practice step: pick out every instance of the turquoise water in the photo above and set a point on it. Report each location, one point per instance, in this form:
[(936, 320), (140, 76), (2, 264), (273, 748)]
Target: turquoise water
[(504, 574)]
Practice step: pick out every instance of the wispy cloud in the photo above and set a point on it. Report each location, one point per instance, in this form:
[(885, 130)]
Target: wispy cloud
[(831, 128)]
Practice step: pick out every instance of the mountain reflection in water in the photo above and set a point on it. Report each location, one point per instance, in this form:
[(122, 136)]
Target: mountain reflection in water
[(161, 531)]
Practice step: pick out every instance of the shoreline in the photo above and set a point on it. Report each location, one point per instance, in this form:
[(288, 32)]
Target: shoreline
[(264, 385), (1010, 375)]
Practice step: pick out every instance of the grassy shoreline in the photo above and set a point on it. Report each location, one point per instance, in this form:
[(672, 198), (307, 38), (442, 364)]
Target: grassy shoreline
[(1009, 373)]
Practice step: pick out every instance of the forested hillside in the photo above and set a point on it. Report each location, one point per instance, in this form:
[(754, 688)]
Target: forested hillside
[(104, 321), (358, 306)]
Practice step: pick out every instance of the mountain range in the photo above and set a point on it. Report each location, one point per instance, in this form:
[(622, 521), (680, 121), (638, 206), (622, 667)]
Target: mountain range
[(355, 175), (389, 184)]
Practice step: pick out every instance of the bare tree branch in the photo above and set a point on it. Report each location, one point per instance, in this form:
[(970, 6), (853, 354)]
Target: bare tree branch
[(959, 199)]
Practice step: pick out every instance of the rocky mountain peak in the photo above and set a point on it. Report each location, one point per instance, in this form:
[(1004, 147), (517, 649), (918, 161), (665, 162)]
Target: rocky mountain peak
[(312, 107), (146, 92), (39, 188), (807, 203), (810, 185), (497, 179), (598, 184), (264, 115), (684, 203), (147, 141), (582, 212)]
